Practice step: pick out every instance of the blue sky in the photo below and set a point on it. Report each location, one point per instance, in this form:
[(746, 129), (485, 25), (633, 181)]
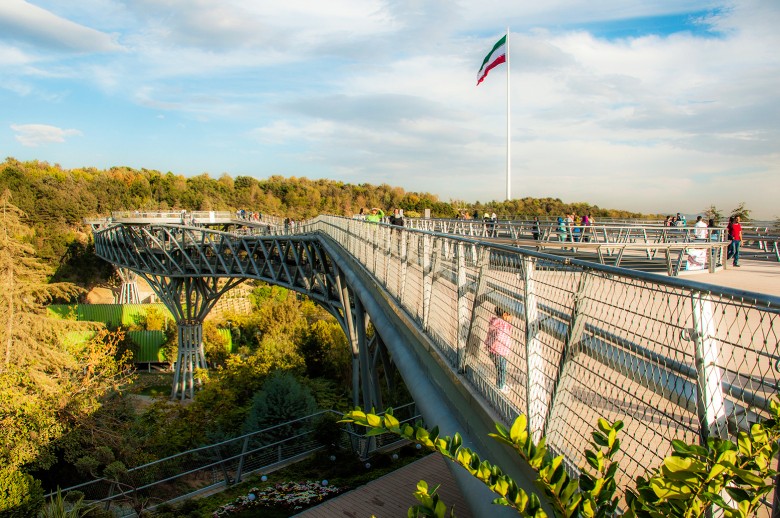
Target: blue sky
[(650, 105)]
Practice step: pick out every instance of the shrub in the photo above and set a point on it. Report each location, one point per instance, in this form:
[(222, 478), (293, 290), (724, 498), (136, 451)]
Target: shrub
[(21, 495)]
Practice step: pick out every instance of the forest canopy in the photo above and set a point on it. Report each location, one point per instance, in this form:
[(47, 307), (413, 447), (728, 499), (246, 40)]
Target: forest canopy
[(56, 201)]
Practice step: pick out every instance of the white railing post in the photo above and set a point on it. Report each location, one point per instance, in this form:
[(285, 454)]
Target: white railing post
[(711, 407), (538, 394), (427, 268), (462, 317)]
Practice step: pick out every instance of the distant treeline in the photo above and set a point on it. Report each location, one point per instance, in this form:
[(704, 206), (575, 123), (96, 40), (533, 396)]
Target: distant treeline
[(56, 200)]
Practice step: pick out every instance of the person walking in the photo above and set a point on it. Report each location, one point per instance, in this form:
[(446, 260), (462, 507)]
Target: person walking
[(535, 230), (498, 344), (736, 239), (700, 229), (729, 227)]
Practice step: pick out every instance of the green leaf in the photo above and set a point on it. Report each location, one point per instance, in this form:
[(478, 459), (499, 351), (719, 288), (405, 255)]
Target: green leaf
[(669, 489), (716, 470), (519, 430), (680, 446), (592, 459), (599, 439), (749, 478), (391, 423), (612, 437), (745, 444)]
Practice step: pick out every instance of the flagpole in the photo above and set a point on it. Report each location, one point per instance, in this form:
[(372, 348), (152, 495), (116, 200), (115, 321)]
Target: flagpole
[(508, 136)]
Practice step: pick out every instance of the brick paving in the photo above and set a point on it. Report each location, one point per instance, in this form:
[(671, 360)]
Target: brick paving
[(391, 495)]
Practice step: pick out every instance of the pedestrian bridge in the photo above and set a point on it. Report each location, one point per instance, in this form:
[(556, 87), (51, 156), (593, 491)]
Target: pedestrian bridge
[(672, 358)]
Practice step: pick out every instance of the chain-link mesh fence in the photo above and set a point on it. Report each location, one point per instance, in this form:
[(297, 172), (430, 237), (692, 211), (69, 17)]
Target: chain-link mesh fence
[(673, 359)]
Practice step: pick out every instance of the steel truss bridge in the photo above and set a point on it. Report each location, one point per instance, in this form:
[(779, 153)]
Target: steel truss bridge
[(674, 359)]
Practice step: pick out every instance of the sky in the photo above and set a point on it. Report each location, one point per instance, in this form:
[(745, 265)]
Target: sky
[(658, 106)]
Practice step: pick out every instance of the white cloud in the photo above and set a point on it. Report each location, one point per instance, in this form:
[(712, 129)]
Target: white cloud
[(33, 135), (384, 91), (23, 21)]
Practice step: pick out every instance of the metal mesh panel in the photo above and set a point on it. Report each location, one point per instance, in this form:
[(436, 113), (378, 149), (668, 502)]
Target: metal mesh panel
[(673, 359)]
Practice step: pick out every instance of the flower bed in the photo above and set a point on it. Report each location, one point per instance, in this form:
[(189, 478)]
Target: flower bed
[(292, 496)]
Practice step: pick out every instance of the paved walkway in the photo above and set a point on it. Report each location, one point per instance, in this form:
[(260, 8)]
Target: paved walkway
[(759, 275), (391, 495)]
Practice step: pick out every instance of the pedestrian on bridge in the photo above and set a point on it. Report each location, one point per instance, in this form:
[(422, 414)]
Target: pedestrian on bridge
[(498, 343), (397, 219), (736, 239), (376, 215)]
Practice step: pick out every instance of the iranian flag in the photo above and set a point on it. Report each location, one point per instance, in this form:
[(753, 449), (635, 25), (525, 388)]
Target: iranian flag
[(494, 58)]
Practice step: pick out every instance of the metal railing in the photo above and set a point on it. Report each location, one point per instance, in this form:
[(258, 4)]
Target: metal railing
[(673, 359), (211, 468)]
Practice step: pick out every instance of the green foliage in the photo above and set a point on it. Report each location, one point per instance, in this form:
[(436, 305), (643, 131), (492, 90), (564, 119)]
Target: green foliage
[(155, 318), (724, 475), (282, 398), (20, 494), (713, 213), (692, 480), (59, 507), (430, 503), (48, 385), (327, 431), (326, 352), (741, 211), (215, 344), (452, 448)]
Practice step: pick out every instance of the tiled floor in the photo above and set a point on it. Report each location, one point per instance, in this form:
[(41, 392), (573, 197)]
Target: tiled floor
[(392, 495)]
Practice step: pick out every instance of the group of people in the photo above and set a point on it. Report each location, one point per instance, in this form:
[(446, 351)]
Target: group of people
[(708, 231), (377, 215), (572, 227), (675, 221), (248, 215)]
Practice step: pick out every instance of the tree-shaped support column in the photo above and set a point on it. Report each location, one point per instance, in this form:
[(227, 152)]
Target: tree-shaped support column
[(128, 293), (189, 300)]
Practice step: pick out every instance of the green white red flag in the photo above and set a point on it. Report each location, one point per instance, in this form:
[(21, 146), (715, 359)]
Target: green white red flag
[(494, 58)]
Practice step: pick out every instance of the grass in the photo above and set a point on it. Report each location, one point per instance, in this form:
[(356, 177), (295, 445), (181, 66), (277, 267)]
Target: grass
[(346, 471)]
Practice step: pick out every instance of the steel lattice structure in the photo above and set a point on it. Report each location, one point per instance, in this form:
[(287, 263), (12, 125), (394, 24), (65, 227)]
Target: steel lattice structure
[(189, 268)]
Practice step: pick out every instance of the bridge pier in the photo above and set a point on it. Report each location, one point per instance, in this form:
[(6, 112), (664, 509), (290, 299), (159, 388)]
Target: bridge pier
[(365, 388), (128, 293), (189, 299)]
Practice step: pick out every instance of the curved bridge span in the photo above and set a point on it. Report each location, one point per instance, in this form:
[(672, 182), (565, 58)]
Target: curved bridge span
[(673, 359)]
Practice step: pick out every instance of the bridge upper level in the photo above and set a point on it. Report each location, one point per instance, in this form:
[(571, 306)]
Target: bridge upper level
[(672, 358)]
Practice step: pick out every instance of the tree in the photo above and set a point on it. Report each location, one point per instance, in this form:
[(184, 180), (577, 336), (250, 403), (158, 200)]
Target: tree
[(713, 213), (741, 211), (46, 384), (281, 399)]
